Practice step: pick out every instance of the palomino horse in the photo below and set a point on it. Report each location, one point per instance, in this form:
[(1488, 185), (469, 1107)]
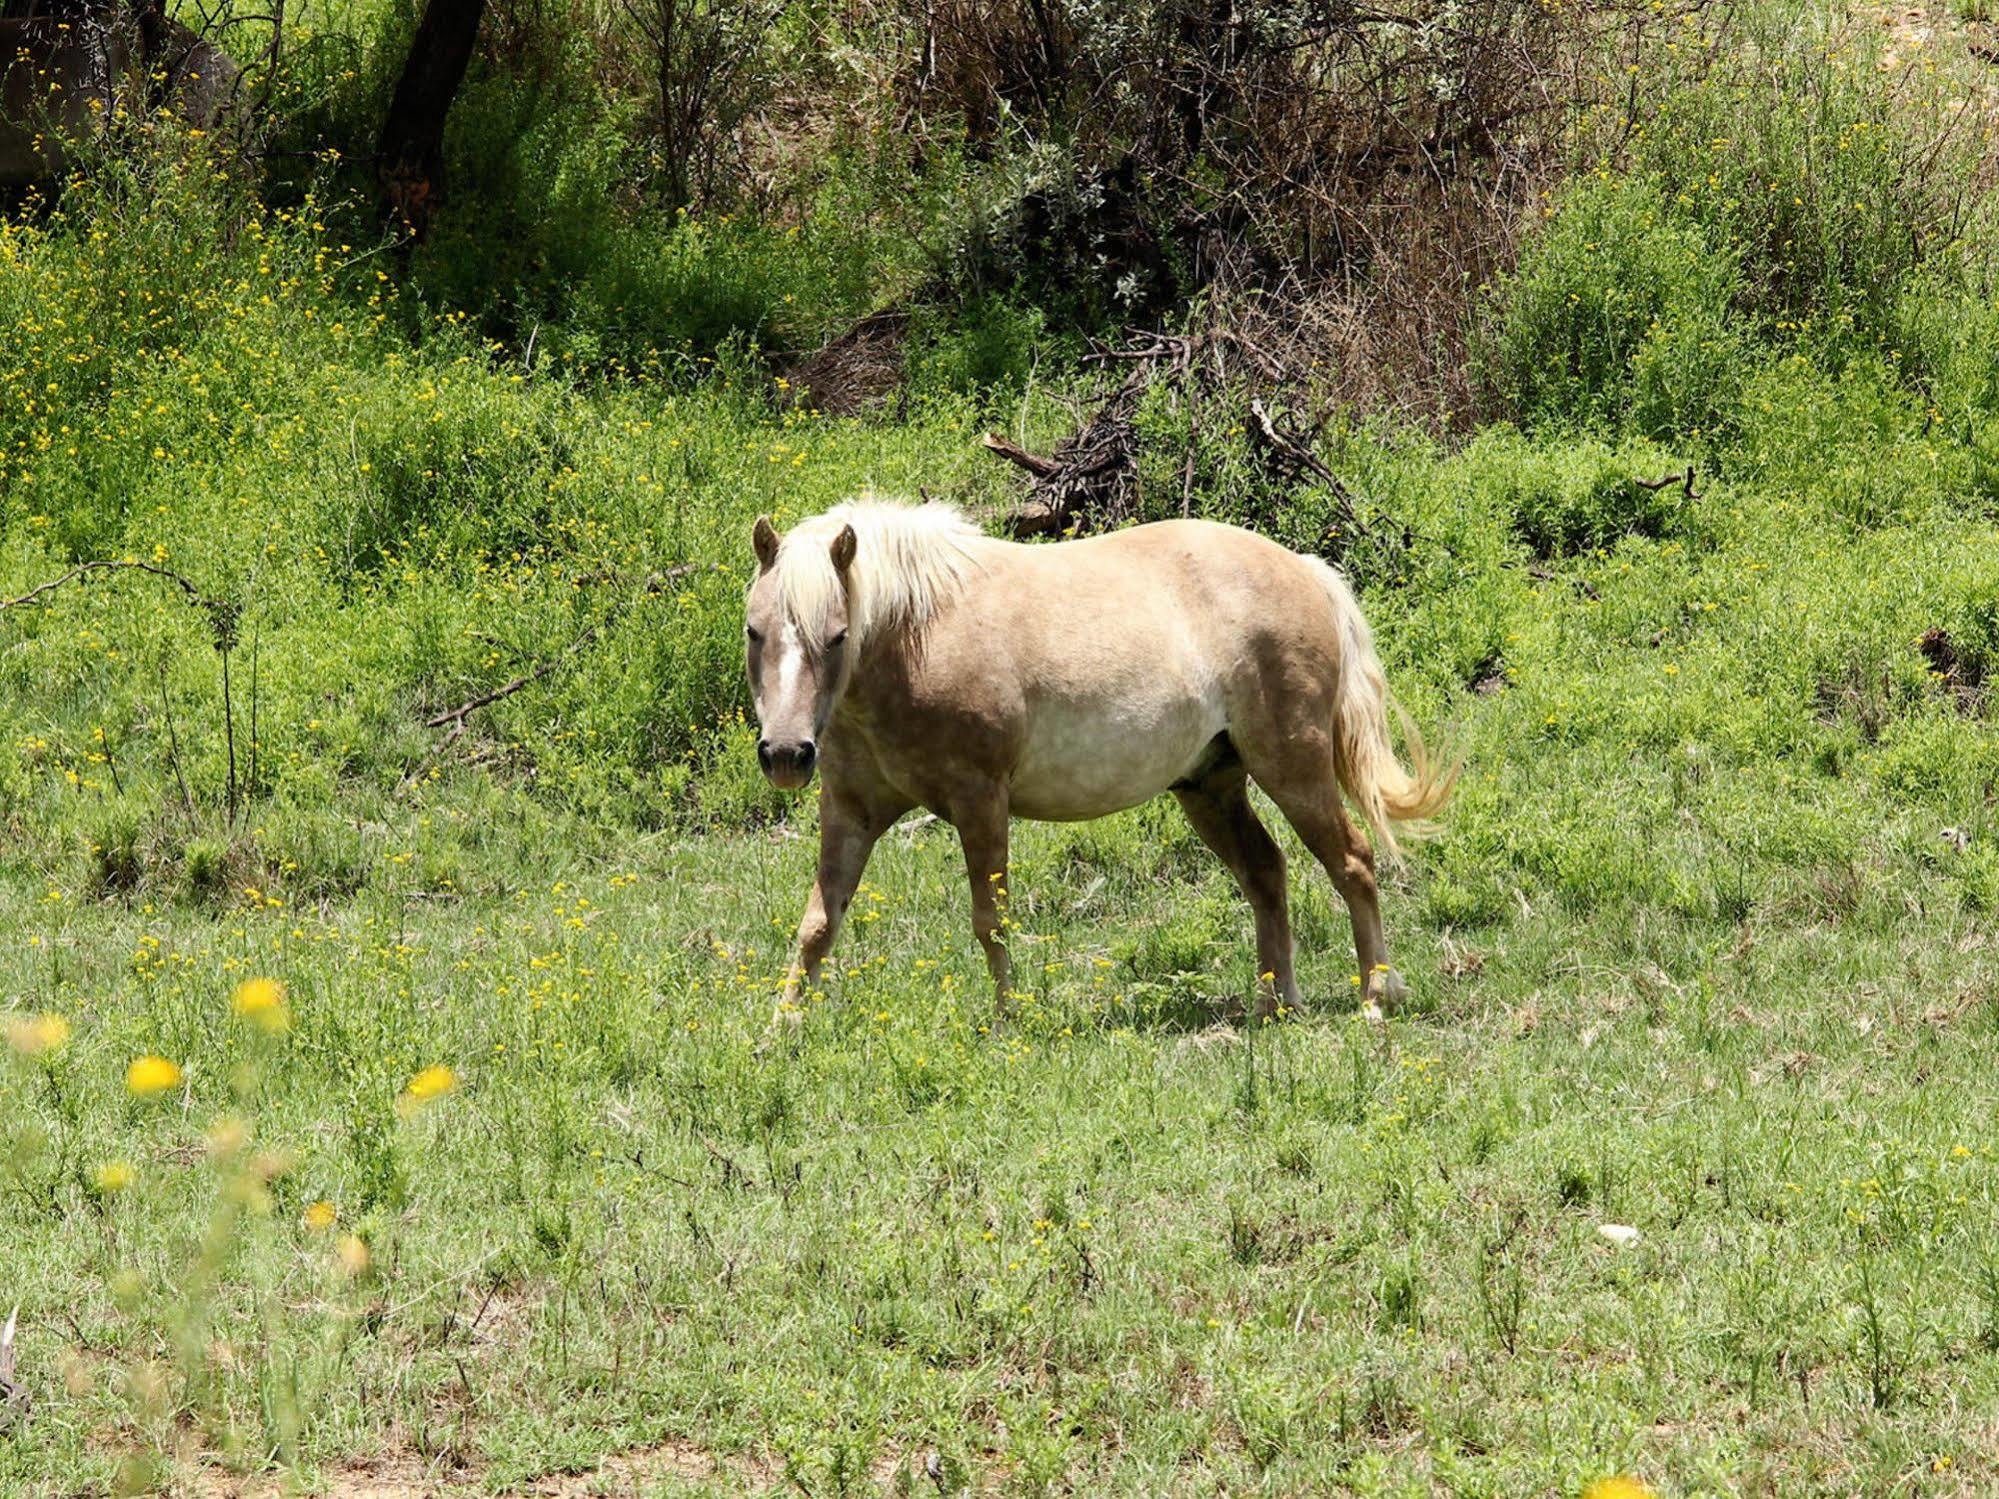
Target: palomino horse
[(917, 662)]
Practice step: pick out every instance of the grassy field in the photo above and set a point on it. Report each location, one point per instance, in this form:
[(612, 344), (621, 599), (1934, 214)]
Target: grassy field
[(1124, 1243), (1703, 952), (382, 1108)]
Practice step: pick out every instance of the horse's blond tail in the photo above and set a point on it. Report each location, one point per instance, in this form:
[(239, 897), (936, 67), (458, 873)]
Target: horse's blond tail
[(1380, 786)]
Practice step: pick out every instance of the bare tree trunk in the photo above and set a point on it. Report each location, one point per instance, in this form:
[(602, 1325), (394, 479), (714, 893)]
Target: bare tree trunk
[(674, 84), (410, 158)]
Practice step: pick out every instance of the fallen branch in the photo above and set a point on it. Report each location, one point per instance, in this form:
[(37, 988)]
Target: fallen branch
[(1034, 463), (1684, 480), (223, 615), (1297, 457), (456, 716), (83, 569), (1092, 476), (1296, 454), (1092, 473), (456, 719)]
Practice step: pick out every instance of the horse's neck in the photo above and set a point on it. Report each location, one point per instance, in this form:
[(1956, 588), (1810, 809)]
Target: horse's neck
[(888, 668), (889, 676)]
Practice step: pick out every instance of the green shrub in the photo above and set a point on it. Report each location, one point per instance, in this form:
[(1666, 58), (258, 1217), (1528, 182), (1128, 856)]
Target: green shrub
[(1776, 138), (1479, 900), (1579, 494), (986, 347), (1848, 439), (1618, 315), (1928, 758)]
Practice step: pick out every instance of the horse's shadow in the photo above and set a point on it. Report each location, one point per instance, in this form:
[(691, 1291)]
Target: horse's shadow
[(1186, 1011), (1184, 1008)]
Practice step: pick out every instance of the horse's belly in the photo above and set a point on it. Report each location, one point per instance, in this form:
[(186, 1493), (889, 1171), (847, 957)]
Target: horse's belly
[(1084, 760)]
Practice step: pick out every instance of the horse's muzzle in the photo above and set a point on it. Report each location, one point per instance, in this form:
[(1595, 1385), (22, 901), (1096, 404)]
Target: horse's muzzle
[(787, 766)]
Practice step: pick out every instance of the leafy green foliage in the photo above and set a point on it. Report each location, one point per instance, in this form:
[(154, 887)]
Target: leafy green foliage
[(1619, 315)]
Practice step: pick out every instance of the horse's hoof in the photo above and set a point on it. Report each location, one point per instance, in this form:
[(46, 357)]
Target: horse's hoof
[(1385, 993), (785, 1022)]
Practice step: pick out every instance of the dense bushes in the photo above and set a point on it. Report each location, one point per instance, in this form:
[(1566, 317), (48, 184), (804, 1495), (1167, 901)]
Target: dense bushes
[(402, 523), (1832, 169), (1620, 316), (1762, 202)]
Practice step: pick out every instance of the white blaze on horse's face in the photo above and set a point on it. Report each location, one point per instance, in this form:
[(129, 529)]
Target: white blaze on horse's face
[(797, 669)]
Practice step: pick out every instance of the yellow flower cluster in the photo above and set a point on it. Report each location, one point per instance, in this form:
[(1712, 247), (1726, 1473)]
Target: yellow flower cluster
[(150, 1076), (262, 1003)]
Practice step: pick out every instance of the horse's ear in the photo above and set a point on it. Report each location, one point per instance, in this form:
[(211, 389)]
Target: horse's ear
[(843, 548), (765, 539)]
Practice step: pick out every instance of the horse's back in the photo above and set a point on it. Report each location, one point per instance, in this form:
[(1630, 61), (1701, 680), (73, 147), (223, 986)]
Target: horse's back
[(1202, 584), (1130, 653)]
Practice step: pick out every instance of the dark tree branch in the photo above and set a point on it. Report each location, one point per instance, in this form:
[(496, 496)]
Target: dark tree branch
[(194, 595), (1684, 480), (1297, 457), (1034, 463)]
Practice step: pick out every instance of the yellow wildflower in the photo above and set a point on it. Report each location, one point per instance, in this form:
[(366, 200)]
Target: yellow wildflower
[(262, 1003), (1622, 1486), (431, 1084), (320, 1216), (34, 1035), (150, 1076), (113, 1176), (227, 1136), (352, 1254)]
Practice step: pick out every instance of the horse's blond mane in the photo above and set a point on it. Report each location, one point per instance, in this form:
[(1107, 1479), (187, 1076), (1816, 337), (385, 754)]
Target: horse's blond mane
[(908, 559)]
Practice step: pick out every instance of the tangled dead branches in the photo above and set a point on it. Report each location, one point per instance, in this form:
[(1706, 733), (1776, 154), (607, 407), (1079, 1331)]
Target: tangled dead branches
[(1092, 477)]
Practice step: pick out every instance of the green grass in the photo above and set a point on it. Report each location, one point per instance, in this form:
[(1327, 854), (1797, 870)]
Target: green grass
[(1121, 1244), (1692, 955)]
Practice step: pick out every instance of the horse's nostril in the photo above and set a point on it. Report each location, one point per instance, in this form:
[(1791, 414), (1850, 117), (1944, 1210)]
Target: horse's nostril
[(787, 762)]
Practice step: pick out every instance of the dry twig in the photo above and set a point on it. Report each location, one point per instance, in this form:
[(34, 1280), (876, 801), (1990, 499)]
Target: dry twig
[(455, 719), (84, 569), (13, 1395), (1684, 480), (456, 716)]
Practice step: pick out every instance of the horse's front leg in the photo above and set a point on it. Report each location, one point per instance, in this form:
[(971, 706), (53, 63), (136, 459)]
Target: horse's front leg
[(848, 832), (981, 820)]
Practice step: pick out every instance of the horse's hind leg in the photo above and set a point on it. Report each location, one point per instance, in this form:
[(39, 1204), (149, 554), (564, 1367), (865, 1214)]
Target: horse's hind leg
[(1218, 807), (1311, 803)]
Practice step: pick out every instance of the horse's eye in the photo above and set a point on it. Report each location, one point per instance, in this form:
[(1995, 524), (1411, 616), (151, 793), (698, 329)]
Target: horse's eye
[(756, 635), (837, 641)]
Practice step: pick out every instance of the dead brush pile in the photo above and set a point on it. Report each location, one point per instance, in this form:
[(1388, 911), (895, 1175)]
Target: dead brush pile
[(1342, 179)]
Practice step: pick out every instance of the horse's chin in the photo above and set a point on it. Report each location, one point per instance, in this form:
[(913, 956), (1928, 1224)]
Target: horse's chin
[(788, 780)]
